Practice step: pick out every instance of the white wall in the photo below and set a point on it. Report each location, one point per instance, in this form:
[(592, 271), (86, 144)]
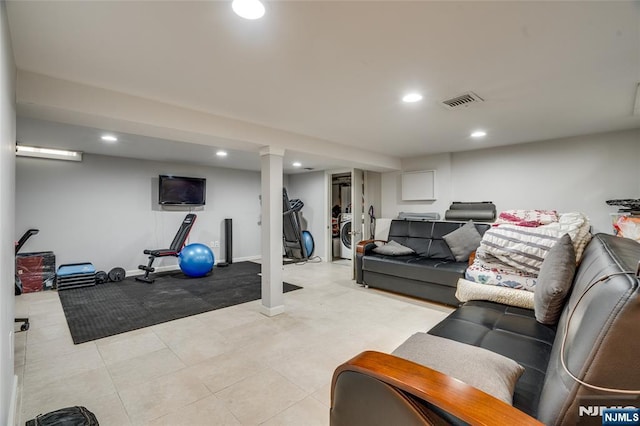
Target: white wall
[(7, 167), (373, 192), (104, 210), (571, 174), (310, 188)]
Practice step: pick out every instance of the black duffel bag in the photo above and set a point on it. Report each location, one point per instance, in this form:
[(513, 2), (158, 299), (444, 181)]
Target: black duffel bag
[(69, 416)]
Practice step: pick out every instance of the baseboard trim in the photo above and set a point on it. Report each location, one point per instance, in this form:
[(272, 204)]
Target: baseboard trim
[(246, 258), (13, 404), (271, 312)]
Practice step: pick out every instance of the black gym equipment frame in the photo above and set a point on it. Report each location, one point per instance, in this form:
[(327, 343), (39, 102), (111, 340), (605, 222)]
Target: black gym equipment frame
[(173, 250), (294, 247), (17, 282)]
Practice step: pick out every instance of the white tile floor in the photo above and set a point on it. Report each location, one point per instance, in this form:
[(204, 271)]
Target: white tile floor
[(232, 366)]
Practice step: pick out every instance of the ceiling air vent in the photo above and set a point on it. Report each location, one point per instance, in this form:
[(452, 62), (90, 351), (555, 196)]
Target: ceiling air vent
[(462, 101)]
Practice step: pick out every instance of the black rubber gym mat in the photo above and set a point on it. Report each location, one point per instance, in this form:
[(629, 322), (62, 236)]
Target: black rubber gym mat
[(117, 307)]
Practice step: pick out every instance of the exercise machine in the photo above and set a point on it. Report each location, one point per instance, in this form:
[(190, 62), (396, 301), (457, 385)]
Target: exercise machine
[(173, 250), (17, 282), (298, 244)]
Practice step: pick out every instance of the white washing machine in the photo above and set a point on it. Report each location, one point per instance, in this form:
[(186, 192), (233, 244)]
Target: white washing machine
[(345, 236)]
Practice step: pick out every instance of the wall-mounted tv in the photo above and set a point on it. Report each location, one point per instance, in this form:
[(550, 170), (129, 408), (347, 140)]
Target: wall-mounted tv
[(180, 190)]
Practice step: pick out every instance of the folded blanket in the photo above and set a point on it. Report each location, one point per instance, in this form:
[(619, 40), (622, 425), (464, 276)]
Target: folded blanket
[(524, 248), (497, 274), (528, 218), (468, 290)]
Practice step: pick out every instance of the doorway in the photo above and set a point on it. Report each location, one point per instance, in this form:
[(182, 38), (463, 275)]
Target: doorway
[(348, 222), (341, 216)]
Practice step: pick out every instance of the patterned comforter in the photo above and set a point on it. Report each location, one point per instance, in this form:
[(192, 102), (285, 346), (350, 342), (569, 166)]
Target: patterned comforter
[(513, 253)]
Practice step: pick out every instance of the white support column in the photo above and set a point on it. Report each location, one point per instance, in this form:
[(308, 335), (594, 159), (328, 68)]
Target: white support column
[(271, 177)]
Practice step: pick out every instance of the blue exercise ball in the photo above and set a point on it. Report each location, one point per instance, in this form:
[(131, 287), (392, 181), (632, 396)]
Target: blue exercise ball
[(196, 260), (307, 240)]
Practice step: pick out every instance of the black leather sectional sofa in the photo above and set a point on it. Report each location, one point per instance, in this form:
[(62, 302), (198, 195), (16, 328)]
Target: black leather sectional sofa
[(431, 273), (597, 337)]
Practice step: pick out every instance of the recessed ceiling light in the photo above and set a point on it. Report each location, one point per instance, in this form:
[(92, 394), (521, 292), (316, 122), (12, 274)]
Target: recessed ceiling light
[(478, 134), (412, 97), (297, 164), (248, 9), (109, 138), (221, 153)]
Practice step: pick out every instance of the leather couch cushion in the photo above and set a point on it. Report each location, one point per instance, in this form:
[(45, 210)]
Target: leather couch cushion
[(426, 237), (445, 272), (421, 236), (509, 331)]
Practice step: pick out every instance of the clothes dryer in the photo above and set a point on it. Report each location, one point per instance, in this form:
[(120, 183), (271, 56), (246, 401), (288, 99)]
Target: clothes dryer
[(346, 251)]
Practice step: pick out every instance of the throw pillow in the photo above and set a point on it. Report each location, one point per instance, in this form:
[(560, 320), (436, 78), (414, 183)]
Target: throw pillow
[(488, 371), (463, 241), (393, 248), (554, 281)]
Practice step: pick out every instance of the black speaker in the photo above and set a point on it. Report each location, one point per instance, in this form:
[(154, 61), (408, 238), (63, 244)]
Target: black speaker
[(228, 242)]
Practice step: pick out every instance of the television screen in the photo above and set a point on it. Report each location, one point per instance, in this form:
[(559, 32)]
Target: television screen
[(179, 190)]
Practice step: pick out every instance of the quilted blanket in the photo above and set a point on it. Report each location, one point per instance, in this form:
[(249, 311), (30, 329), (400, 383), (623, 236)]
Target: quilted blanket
[(528, 218), (525, 247), (500, 275)]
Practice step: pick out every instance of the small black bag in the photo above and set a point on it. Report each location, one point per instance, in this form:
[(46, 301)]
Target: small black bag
[(70, 416)]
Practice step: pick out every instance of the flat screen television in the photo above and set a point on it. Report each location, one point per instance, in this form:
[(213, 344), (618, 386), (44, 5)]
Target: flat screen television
[(180, 190)]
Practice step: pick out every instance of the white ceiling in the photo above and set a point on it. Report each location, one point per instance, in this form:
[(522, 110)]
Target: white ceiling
[(43, 133), (336, 70)]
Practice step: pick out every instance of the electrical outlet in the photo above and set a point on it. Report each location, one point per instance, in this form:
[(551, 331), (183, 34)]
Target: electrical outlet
[(216, 243)]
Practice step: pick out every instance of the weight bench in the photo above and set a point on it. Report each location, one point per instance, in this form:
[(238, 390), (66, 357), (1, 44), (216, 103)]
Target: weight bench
[(173, 250)]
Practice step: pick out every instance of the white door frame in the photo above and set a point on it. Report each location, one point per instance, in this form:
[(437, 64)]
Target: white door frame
[(328, 177), (357, 213)]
